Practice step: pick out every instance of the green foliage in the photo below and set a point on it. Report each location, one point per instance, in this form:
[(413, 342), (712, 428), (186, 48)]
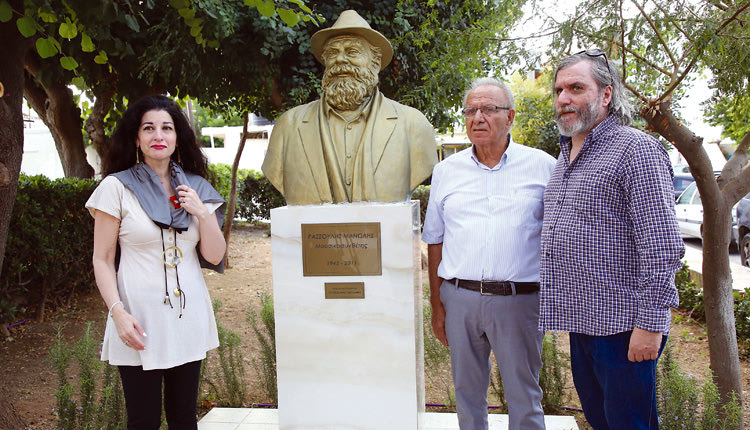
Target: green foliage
[(422, 193), (732, 113), (220, 177), (264, 327), (440, 46), (256, 197), (225, 379), (691, 296), (686, 404), (535, 113), (48, 254), (551, 378), (742, 320), (99, 406), (437, 360)]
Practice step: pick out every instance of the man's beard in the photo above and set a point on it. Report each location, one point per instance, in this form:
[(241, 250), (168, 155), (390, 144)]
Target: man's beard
[(346, 87), (588, 116)]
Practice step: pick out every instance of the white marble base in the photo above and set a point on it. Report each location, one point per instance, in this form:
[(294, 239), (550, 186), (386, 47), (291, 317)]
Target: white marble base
[(349, 363), (268, 419)]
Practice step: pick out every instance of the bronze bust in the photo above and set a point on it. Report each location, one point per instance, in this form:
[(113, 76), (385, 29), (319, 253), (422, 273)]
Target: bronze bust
[(353, 144)]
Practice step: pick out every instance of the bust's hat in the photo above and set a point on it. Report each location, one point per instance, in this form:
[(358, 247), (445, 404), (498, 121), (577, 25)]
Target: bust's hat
[(350, 22)]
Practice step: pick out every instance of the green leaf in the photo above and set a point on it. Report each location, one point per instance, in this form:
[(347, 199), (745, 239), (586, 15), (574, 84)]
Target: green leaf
[(68, 30), (101, 58), (289, 17), (301, 5), (179, 4), (132, 23), (79, 83), (45, 48), (266, 8), (27, 26), (68, 63), (47, 17), (195, 31), (251, 3), (186, 13), (213, 44), (86, 44), (6, 13)]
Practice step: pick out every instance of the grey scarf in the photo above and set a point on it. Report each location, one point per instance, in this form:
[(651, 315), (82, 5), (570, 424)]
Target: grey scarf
[(144, 183)]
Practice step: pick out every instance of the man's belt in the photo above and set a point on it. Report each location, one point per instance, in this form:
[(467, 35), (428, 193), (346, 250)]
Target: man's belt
[(497, 288)]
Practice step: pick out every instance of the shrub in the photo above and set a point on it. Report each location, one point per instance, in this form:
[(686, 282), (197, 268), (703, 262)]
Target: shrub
[(264, 327), (220, 177), (437, 358), (256, 198), (691, 296), (98, 406), (686, 404), (50, 240), (225, 378)]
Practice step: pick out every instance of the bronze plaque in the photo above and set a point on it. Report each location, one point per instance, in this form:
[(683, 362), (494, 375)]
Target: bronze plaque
[(341, 249), (345, 290)]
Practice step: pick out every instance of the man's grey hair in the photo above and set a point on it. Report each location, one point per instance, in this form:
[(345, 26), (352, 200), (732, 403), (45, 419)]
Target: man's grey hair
[(480, 82), (605, 73)]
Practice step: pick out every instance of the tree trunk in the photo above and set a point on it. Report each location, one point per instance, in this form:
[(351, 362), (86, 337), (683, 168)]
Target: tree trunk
[(232, 204), (56, 106), (95, 123), (12, 51), (718, 297)]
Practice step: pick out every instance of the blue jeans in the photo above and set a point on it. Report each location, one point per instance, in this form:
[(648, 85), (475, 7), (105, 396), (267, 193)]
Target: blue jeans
[(614, 392)]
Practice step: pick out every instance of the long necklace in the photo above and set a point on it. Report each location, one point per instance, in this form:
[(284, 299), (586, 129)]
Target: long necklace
[(172, 260)]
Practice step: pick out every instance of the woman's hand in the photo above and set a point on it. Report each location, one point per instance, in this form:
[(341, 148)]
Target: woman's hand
[(190, 201), (128, 329)]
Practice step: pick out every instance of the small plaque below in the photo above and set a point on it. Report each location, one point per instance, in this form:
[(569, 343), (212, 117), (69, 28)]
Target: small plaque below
[(345, 290)]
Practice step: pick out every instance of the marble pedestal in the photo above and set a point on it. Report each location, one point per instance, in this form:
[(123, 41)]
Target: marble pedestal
[(349, 363)]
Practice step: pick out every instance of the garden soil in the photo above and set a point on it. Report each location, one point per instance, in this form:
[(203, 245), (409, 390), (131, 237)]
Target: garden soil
[(28, 382)]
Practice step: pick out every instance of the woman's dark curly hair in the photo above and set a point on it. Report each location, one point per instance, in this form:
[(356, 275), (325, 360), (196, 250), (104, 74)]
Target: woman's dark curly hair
[(121, 155)]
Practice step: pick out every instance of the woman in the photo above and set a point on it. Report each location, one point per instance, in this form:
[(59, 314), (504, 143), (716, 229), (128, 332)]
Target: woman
[(155, 204)]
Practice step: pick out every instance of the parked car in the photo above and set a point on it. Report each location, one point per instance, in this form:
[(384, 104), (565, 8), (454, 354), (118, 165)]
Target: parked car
[(689, 211), (742, 229), (681, 181)]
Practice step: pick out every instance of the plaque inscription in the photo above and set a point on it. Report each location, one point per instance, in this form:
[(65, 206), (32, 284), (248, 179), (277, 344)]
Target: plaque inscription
[(341, 249), (345, 290)]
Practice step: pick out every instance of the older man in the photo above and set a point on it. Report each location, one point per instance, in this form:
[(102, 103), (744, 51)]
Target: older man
[(483, 226), (610, 246), (354, 144)]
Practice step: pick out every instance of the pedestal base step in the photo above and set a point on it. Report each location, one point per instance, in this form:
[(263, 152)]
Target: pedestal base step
[(268, 419)]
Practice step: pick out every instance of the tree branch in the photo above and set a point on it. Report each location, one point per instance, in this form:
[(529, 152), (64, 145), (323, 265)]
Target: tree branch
[(657, 33), (629, 51), (676, 82)]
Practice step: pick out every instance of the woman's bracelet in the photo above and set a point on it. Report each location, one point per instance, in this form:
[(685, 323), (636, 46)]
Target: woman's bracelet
[(119, 302)]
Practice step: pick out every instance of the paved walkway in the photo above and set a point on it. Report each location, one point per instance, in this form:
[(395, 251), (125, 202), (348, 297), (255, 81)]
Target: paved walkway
[(740, 273), (268, 419)]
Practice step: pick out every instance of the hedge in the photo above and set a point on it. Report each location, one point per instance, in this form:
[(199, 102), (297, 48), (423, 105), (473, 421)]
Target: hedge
[(48, 252)]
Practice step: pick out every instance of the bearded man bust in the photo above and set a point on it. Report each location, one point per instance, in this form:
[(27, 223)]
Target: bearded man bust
[(353, 144)]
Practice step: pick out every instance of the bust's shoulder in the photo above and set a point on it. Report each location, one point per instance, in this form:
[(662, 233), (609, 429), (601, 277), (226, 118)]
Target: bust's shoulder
[(410, 115), (298, 112)]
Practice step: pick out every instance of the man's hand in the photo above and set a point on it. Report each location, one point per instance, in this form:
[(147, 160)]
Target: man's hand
[(644, 345), (438, 322)]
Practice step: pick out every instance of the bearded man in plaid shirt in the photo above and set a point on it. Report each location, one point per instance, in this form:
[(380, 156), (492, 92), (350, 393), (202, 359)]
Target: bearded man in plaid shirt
[(610, 246)]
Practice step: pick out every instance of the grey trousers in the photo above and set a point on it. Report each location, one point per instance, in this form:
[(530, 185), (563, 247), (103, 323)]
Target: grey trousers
[(508, 326)]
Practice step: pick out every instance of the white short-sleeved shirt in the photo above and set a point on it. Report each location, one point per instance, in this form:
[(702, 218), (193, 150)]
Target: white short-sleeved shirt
[(489, 220), (171, 340)]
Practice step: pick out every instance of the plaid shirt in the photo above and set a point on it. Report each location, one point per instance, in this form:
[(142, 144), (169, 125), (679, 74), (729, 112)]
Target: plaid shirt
[(610, 240)]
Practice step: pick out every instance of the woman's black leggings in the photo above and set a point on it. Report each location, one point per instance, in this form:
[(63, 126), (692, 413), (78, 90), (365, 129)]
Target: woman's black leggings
[(143, 396)]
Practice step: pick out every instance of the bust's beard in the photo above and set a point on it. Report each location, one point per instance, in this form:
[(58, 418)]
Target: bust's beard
[(349, 91)]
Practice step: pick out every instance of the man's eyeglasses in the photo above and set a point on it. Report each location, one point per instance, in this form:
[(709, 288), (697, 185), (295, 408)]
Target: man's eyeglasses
[(599, 53), (486, 110)]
